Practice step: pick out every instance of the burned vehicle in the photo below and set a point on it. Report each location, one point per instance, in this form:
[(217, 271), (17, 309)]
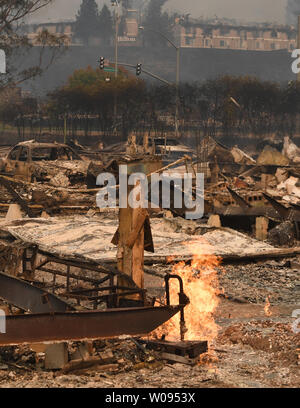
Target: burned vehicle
[(53, 163)]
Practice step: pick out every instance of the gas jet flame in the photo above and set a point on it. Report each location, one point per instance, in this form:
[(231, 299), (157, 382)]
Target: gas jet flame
[(200, 282)]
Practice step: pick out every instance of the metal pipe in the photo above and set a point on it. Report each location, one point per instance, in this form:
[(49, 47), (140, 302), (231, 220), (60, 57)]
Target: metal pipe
[(183, 301)]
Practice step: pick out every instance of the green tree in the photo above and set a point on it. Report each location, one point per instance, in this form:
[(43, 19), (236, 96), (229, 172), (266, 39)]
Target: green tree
[(87, 21), (88, 92), (105, 24)]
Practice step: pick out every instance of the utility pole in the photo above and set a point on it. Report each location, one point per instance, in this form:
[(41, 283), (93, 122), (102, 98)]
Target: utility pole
[(177, 91), (65, 128), (116, 38)]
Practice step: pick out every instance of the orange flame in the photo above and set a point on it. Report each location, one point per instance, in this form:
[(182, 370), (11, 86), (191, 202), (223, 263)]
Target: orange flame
[(267, 307), (200, 282)]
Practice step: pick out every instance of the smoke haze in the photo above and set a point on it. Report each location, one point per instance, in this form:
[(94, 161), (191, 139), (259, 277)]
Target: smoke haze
[(292, 11), (246, 10)]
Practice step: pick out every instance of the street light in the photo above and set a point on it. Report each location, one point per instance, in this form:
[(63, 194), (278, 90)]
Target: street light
[(177, 72), (115, 3)]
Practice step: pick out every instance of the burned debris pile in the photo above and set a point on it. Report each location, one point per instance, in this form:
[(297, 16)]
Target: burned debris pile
[(103, 296)]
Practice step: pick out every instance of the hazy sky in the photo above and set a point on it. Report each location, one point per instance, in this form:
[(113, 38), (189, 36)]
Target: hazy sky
[(248, 10)]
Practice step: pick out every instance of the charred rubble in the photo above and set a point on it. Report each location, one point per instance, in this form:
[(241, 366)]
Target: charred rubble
[(96, 289)]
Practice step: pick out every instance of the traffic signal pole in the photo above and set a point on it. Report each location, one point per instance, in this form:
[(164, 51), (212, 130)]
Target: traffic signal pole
[(144, 71)]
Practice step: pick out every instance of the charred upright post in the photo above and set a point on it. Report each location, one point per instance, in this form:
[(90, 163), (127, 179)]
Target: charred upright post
[(133, 224)]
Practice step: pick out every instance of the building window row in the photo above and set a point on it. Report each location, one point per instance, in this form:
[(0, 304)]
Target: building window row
[(238, 43)]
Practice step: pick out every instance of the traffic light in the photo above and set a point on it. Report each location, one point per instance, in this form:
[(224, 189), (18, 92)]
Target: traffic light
[(102, 60), (138, 69)]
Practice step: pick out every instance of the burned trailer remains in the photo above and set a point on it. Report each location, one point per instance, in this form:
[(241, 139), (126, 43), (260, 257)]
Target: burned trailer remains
[(128, 311), (85, 325), (105, 282), (51, 319), (28, 297)]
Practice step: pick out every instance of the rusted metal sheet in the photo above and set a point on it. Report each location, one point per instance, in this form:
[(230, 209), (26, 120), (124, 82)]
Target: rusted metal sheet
[(39, 328), (28, 297)]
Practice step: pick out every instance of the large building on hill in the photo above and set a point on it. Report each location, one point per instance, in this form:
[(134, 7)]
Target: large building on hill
[(197, 34), (64, 27), (189, 34)]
